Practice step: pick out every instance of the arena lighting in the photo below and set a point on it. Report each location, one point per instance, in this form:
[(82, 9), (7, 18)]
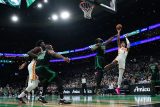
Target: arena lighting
[(6, 61), (65, 15), (87, 56), (14, 18), (15, 55), (1, 54), (74, 58), (86, 48), (54, 17), (154, 26), (39, 5), (114, 49), (130, 34), (45, 1)]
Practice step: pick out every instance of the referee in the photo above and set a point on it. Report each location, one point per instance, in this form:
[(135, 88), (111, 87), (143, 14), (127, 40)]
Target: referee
[(84, 86)]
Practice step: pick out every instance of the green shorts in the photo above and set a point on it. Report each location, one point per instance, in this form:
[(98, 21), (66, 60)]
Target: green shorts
[(44, 73), (99, 62)]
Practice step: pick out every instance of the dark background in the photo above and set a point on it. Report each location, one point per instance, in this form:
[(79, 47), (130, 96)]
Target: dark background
[(76, 32)]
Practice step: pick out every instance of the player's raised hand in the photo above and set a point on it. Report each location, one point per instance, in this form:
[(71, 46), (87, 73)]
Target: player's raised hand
[(126, 35), (67, 59), (22, 66), (119, 28)]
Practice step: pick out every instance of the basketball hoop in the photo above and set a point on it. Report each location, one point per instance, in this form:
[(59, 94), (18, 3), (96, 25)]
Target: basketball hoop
[(87, 9)]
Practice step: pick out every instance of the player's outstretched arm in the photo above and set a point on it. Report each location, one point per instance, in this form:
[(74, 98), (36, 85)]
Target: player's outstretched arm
[(109, 40), (33, 53), (118, 28), (51, 52), (118, 39), (127, 41), (93, 47), (22, 66)]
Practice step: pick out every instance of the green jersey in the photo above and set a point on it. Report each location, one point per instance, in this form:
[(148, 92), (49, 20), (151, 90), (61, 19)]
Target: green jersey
[(42, 67), (99, 59), (153, 67), (43, 58), (154, 70)]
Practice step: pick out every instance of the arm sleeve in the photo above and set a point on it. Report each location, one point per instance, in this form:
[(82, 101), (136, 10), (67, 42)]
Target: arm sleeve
[(93, 47), (128, 43), (109, 40)]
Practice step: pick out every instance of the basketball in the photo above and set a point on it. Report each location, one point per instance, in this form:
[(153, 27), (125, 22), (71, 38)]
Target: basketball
[(119, 27), (37, 50)]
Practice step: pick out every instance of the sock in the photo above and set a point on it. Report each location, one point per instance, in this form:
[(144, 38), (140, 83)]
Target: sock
[(121, 71)]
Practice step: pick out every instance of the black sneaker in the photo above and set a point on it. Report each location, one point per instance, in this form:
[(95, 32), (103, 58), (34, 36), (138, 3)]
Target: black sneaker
[(42, 100), (20, 100), (64, 102)]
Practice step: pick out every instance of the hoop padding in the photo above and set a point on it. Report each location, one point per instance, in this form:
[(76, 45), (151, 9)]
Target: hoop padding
[(87, 9)]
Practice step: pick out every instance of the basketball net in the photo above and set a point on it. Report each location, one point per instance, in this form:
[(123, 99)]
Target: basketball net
[(87, 9)]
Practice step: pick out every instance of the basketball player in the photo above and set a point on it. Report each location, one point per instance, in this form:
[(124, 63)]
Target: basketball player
[(47, 75), (84, 85), (99, 48), (33, 78), (121, 58)]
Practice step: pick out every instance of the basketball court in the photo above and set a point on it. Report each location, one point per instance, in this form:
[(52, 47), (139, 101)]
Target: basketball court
[(91, 101)]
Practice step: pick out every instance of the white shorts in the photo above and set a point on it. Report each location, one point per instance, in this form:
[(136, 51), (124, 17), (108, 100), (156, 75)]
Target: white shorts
[(32, 84), (121, 62)]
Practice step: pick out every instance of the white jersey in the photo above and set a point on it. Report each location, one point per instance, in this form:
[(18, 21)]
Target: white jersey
[(122, 53), (121, 58), (31, 70)]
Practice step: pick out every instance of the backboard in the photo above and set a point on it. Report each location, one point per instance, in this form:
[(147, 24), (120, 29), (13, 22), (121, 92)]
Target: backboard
[(108, 5)]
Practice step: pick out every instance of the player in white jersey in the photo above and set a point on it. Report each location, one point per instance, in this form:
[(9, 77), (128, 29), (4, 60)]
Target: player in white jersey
[(33, 78), (32, 75), (121, 58)]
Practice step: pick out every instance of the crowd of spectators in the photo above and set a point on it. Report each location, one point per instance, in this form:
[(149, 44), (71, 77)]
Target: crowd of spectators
[(137, 72)]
